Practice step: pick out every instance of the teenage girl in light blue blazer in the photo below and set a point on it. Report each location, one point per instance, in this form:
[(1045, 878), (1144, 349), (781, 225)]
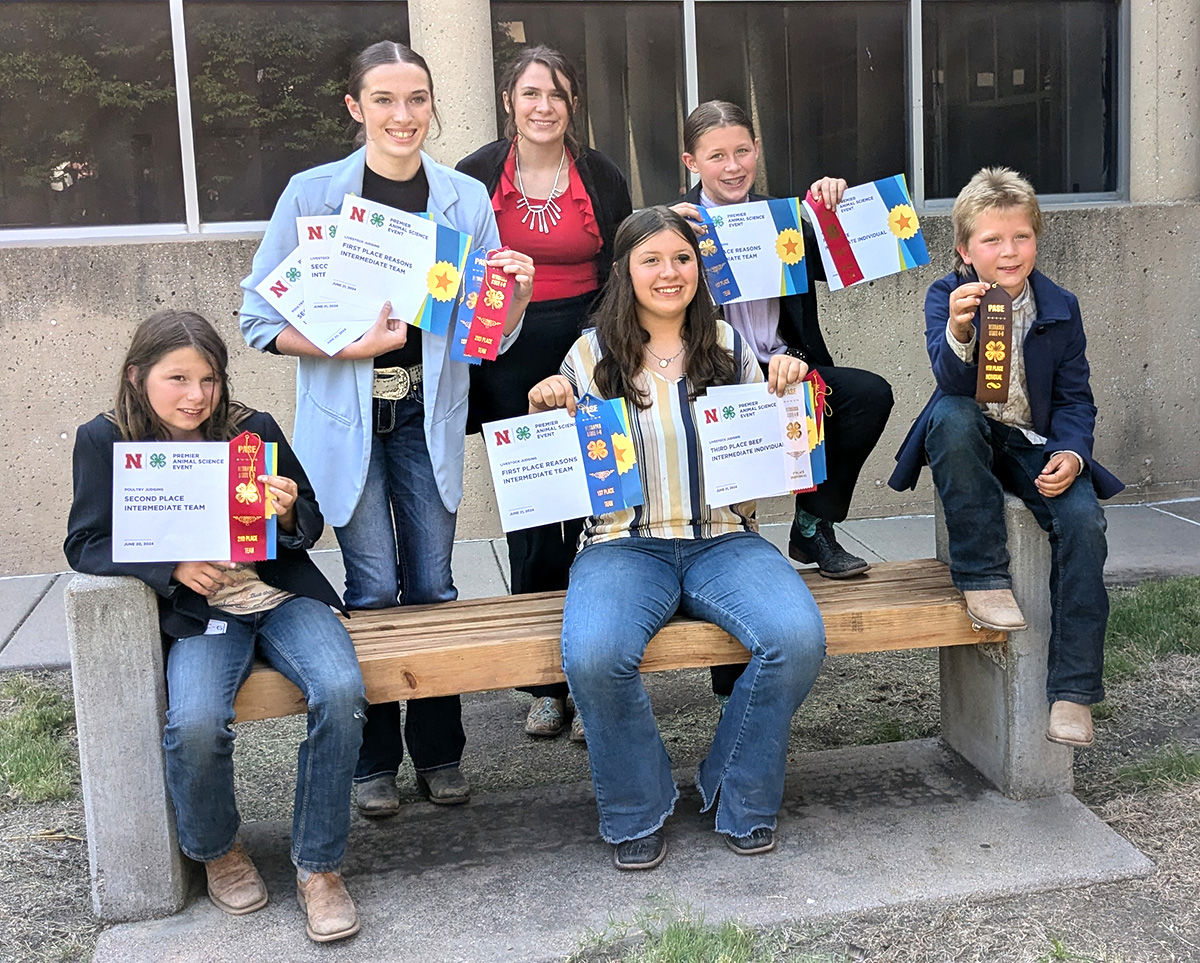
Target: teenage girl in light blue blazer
[(380, 426)]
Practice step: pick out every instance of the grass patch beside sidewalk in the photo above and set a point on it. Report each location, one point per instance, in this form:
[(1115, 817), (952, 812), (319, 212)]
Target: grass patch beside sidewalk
[(1148, 621), (37, 758)]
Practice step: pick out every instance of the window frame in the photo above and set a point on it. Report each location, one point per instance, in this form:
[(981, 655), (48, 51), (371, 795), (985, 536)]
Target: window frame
[(193, 226)]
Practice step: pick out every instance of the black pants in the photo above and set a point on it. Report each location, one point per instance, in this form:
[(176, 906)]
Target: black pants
[(539, 558), (859, 403)]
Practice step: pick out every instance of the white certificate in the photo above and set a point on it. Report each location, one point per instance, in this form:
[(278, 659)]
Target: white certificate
[(753, 444), (537, 469), (335, 323), (757, 247), (170, 502), (382, 254)]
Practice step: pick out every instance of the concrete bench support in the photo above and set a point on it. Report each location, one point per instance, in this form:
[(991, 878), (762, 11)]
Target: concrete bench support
[(120, 704), (994, 710)]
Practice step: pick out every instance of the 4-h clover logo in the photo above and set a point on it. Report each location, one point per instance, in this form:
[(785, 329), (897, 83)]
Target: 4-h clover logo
[(158, 460), (523, 433), (333, 230), (727, 412), (994, 351), (597, 450), (493, 299), (293, 275), (719, 221), (708, 247), (246, 493), (377, 220), (793, 430)]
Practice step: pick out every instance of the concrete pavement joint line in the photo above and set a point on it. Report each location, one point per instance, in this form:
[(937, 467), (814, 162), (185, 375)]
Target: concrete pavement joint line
[(500, 565), (1190, 521), (32, 609)]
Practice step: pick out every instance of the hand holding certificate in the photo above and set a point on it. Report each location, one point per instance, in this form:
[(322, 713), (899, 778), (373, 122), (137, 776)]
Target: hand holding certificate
[(194, 501), (873, 233)]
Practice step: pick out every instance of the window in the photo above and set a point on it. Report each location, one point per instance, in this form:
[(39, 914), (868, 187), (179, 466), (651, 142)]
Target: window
[(824, 84), (629, 57), (89, 131), (1029, 85), (267, 82)]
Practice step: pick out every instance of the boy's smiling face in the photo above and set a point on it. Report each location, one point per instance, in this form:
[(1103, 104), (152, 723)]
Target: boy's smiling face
[(1003, 248)]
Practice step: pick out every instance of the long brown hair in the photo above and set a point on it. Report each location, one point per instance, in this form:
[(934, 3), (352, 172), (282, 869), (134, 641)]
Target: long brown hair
[(156, 337), (623, 339), (378, 55), (566, 82)]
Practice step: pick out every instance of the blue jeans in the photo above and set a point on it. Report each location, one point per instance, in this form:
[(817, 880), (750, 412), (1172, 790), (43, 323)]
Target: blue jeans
[(974, 460), (303, 640), (621, 593), (396, 549)]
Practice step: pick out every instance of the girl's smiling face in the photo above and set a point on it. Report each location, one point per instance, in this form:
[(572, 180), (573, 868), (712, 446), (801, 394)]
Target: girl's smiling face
[(539, 110), (726, 158), (664, 274), (395, 107), (182, 389)]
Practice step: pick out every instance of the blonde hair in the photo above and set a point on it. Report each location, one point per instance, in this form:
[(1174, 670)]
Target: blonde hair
[(992, 188)]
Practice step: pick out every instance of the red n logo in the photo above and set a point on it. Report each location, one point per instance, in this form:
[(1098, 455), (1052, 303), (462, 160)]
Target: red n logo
[(133, 461), (356, 214), (502, 438), (314, 232), (710, 416), (279, 289)]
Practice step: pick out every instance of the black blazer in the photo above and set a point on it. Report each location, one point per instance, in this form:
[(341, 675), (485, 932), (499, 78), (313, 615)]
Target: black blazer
[(603, 180), (798, 324), (182, 612)]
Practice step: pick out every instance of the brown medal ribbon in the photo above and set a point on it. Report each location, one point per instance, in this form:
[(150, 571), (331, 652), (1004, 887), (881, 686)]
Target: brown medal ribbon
[(995, 346)]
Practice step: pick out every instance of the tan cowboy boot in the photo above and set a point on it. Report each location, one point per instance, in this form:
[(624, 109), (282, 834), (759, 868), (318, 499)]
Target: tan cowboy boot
[(994, 609), (234, 884), (331, 912), (1071, 724)]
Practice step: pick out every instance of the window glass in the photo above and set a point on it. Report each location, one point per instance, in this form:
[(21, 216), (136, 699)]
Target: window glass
[(629, 57), (268, 81), (1030, 85), (824, 84), (89, 130)]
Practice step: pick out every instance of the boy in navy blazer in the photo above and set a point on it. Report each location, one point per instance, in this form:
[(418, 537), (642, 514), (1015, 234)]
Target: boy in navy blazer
[(1036, 444)]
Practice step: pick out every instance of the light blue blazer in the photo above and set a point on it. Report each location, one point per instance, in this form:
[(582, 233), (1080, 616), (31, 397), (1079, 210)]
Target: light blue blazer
[(332, 436)]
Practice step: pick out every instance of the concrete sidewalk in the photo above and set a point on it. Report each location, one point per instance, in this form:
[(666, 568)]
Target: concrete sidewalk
[(1144, 541)]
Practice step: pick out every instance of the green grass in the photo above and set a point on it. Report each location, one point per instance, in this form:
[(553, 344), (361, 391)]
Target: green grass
[(1168, 765), (1149, 621), (37, 760)]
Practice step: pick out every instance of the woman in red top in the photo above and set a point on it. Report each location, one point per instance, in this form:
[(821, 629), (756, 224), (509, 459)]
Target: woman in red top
[(560, 202)]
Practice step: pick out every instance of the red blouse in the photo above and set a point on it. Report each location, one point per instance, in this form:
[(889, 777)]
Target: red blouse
[(565, 257)]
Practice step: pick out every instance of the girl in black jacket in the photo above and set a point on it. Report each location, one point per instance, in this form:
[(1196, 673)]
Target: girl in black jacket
[(217, 615)]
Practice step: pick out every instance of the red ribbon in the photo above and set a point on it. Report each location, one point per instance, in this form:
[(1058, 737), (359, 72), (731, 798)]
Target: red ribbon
[(491, 311), (247, 499), (835, 239)]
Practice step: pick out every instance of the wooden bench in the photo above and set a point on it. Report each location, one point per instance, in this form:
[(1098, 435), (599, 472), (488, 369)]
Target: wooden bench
[(993, 705), (499, 643)]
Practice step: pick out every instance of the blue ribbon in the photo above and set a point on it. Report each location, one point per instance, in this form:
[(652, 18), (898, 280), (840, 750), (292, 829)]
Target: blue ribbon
[(719, 274), (893, 193), (785, 212), (472, 283), (596, 421), (435, 315)]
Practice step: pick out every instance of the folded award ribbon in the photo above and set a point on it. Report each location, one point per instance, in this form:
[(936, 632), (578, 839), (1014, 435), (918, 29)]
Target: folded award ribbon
[(464, 308), (836, 240), (251, 512), (717, 271), (491, 310), (609, 461), (995, 346), (443, 281), (789, 244)]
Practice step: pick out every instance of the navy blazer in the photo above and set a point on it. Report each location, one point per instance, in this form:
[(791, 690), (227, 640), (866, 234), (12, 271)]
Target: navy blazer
[(797, 312), (1056, 378), (182, 612)]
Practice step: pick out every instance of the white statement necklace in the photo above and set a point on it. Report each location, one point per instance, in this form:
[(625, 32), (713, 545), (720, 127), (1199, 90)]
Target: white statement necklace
[(541, 217)]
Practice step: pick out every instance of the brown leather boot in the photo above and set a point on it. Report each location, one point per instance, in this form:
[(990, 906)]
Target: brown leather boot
[(994, 609), (331, 912), (1071, 724), (234, 884)]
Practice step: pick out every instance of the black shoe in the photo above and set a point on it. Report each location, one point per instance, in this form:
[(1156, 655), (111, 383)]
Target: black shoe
[(645, 852), (761, 840), (832, 560)]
